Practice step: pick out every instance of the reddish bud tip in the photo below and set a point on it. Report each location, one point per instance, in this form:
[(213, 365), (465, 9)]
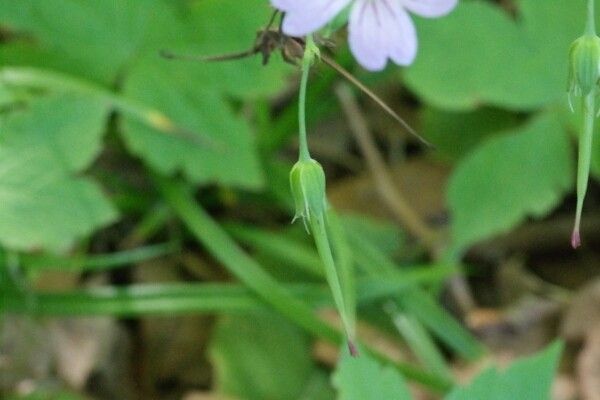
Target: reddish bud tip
[(353, 349), (575, 239)]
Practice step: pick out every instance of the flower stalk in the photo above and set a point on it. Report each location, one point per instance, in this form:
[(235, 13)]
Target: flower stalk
[(307, 182), (584, 75)]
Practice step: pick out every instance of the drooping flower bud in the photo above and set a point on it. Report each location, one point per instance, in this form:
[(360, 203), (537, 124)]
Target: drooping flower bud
[(307, 181), (584, 65), (584, 73)]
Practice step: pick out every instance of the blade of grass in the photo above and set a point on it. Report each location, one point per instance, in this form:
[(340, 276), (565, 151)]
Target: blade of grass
[(238, 263), (279, 247), (344, 263), (417, 302), (419, 340), (135, 300), (98, 262), (144, 299), (251, 274)]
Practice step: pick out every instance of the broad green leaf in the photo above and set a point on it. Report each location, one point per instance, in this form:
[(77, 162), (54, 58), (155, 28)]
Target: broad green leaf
[(42, 147), (260, 356), (529, 378), (463, 54), (215, 32), (229, 156), (96, 38), (480, 54), (524, 172), (454, 134), (364, 378), (318, 387)]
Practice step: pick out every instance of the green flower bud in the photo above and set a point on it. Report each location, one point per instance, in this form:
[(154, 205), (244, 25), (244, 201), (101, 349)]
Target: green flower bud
[(307, 181), (584, 66)]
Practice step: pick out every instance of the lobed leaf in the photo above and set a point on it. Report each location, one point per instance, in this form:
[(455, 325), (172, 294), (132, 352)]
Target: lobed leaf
[(42, 148)]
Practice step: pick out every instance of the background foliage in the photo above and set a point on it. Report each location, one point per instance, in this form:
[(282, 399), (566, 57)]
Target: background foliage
[(113, 158)]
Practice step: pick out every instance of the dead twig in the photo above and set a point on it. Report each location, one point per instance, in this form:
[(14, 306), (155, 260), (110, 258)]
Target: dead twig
[(384, 183)]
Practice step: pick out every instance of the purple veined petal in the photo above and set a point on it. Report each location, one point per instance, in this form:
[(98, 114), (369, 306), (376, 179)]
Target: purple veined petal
[(310, 16), (381, 29), (430, 8)]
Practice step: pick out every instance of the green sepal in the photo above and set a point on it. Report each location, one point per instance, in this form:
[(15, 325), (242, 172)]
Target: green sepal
[(584, 66), (307, 181)]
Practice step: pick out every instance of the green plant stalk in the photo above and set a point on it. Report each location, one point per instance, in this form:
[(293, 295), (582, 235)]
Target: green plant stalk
[(99, 262), (416, 301), (344, 260), (151, 299), (319, 233), (583, 165), (243, 267), (250, 273), (136, 300), (421, 343), (307, 60), (590, 27), (277, 246), (316, 215)]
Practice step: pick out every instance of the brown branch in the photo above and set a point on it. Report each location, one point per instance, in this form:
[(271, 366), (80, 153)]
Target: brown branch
[(384, 183)]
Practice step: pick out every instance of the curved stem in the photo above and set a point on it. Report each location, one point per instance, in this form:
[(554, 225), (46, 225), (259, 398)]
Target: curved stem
[(590, 28), (583, 167), (317, 223), (306, 63)]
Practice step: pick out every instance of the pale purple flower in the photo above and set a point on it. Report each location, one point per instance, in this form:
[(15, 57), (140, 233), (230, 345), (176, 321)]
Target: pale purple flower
[(378, 29)]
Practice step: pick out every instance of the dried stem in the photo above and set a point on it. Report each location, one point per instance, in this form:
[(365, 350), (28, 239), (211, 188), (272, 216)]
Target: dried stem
[(388, 190)]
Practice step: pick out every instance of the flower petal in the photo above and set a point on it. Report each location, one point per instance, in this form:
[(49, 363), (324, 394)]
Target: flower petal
[(381, 29), (430, 8), (287, 5), (307, 16)]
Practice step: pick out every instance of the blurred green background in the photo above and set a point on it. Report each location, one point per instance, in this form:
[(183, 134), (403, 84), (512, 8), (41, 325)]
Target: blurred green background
[(145, 244)]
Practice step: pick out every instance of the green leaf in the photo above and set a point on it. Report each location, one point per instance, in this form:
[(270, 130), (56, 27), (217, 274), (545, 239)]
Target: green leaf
[(454, 134), (260, 356), (42, 147), (318, 387), (215, 34), (529, 378), (479, 54), (521, 173), (229, 156), (95, 38), (364, 378)]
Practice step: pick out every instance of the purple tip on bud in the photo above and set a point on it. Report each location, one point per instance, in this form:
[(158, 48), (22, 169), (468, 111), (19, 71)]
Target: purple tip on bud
[(353, 349), (575, 239)]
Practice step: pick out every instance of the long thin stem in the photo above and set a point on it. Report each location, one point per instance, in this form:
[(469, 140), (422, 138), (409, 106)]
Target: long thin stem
[(590, 27), (583, 166), (252, 275), (317, 223), (306, 64)]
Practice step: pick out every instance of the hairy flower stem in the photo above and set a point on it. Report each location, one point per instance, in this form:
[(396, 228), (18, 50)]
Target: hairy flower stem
[(307, 181), (583, 167), (590, 28), (306, 64)]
